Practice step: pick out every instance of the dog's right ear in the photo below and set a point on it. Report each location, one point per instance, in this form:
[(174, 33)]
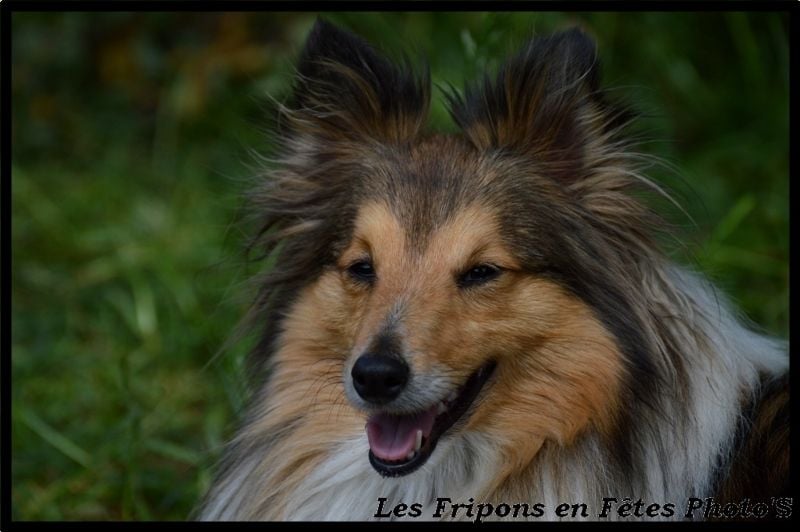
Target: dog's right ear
[(347, 92)]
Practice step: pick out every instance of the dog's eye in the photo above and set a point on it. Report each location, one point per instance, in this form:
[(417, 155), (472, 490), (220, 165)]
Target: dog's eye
[(362, 271), (478, 275)]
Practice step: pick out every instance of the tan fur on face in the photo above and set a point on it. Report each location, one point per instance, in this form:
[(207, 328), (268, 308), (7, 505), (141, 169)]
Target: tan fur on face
[(554, 355), (558, 369)]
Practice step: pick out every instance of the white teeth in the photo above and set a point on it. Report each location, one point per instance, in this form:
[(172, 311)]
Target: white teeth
[(411, 455), (440, 408), (419, 440)]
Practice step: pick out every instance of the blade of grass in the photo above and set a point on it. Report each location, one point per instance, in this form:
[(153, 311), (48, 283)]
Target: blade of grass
[(173, 451), (733, 218), (53, 437)]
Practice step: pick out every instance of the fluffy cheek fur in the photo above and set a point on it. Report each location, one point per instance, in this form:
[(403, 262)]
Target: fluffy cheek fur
[(558, 370), (303, 410)]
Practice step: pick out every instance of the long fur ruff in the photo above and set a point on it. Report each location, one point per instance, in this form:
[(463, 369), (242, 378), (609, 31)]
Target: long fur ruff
[(649, 387)]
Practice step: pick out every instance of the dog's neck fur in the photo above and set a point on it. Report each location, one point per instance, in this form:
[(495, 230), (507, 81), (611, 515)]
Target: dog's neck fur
[(680, 449)]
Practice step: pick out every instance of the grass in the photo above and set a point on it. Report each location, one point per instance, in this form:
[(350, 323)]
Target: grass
[(113, 330), (129, 152)]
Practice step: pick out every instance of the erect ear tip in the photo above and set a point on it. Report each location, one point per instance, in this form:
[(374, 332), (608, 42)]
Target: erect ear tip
[(324, 29), (578, 43), (579, 32), (347, 89), (323, 37), (576, 50), (328, 43)]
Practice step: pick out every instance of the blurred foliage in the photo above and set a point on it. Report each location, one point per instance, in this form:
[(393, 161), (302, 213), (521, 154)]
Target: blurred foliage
[(130, 141)]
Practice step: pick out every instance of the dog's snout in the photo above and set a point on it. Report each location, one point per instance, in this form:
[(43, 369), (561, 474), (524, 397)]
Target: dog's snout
[(379, 378)]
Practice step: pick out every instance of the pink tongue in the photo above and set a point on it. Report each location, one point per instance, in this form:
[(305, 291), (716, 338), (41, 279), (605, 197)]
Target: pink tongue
[(392, 437)]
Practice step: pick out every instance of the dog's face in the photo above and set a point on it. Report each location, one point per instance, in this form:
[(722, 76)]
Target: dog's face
[(452, 284)]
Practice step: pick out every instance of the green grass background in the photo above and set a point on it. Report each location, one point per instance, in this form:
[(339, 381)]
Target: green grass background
[(129, 156)]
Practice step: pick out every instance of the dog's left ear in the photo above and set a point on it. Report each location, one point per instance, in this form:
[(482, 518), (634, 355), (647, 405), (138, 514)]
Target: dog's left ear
[(544, 103), (346, 91)]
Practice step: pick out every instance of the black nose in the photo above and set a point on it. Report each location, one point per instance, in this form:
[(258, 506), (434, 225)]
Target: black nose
[(379, 378)]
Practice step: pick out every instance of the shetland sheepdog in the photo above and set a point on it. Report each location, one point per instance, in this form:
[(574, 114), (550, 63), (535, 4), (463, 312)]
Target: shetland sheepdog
[(481, 325)]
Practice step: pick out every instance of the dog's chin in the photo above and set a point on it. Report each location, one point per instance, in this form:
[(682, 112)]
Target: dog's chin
[(401, 443)]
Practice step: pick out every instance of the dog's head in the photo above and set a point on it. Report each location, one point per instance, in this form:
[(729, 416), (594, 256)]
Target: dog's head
[(473, 282)]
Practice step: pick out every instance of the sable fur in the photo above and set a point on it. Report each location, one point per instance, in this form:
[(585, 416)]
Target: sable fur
[(619, 373)]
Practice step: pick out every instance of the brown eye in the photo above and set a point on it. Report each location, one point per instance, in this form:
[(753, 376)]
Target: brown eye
[(478, 275), (362, 271)]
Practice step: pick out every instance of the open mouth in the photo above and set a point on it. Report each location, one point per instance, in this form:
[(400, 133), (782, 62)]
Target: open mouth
[(400, 444)]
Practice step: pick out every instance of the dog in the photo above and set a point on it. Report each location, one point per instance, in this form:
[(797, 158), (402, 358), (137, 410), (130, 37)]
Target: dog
[(481, 325)]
